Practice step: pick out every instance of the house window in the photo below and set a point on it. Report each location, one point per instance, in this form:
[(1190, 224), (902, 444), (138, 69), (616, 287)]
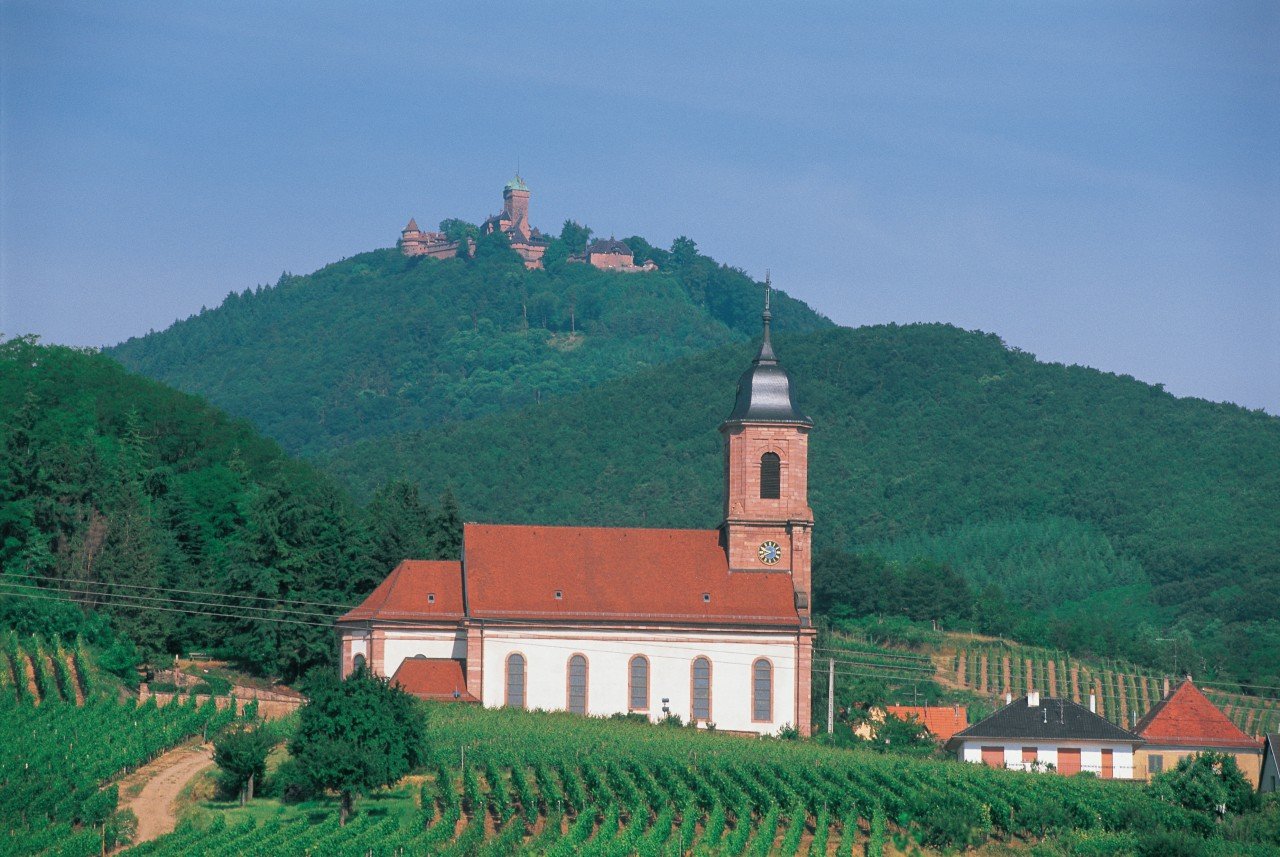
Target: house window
[(1155, 764), (515, 680), (762, 691), (993, 757), (701, 689), (1029, 755), (578, 684), (770, 476), (638, 684)]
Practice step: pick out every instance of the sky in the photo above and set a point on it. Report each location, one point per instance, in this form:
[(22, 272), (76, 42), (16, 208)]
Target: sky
[(1097, 183)]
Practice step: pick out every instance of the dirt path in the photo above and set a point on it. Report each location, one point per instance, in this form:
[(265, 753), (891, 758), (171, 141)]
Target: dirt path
[(161, 781)]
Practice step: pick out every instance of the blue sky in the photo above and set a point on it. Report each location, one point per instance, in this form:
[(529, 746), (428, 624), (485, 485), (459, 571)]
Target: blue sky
[(1096, 183)]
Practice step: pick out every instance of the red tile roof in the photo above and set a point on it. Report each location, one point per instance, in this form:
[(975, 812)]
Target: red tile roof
[(433, 678), (616, 574), (1186, 718), (404, 595), (942, 721)]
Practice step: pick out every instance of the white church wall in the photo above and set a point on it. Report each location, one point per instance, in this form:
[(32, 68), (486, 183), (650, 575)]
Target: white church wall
[(399, 645), (671, 655)]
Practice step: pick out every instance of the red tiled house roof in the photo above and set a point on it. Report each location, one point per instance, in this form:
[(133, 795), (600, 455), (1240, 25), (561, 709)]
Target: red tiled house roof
[(942, 721), (433, 678), (406, 593), (616, 575), (1186, 718)]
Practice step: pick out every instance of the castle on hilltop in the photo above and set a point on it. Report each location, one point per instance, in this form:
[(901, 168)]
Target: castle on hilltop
[(528, 241)]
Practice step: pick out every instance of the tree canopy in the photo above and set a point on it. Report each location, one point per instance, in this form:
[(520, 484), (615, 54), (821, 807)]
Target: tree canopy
[(356, 735)]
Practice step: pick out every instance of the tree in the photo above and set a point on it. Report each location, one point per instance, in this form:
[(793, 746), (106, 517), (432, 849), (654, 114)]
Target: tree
[(241, 754), (459, 230), (575, 236), (1204, 782), (356, 735)]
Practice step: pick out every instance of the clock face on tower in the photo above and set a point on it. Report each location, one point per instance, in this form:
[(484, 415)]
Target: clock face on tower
[(770, 552)]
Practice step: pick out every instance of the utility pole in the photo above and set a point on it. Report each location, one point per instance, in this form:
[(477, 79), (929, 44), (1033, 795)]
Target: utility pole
[(831, 695)]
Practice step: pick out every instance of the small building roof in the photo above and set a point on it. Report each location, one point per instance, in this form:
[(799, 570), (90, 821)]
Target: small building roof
[(942, 721), (610, 245), (433, 678), (615, 574), (416, 589), (1186, 718), (1052, 719)]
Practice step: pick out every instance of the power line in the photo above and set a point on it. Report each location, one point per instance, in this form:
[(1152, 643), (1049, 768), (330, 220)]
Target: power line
[(59, 580), (277, 619), (142, 601)]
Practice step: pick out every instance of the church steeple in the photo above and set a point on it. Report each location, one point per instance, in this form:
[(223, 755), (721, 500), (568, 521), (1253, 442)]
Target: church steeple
[(767, 520)]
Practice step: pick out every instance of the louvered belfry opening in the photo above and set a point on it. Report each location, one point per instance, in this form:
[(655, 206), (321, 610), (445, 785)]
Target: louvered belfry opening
[(770, 476)]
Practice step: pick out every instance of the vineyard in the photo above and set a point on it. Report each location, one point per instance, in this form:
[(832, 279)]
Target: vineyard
[(1123, 691), (76, 736), (557, 784)]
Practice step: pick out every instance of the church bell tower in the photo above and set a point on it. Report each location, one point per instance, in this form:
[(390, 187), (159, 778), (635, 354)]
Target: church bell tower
[(768, 524)]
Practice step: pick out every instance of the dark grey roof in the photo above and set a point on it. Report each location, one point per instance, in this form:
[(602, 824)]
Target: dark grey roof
[(764, 390), (610, 246), (1053, 719)]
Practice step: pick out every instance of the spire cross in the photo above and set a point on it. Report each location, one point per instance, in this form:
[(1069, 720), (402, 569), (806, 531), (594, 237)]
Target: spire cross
[(766, 346)]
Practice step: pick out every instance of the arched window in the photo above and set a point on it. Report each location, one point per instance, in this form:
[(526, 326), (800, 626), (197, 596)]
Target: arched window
[(578, 684), (762, 690), (770, 476), (358, 663), (701, 689), (515, 680), (638, 684)]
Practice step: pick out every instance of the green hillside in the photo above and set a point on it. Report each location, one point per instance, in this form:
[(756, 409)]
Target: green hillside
[(380, 343), (124, 499), (1111, 513)]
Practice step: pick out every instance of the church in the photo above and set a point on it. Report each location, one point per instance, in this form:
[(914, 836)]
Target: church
[(712, 626)]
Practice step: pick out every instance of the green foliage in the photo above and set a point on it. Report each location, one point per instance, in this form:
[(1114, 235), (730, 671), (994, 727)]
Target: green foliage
[(240, 753), (1205, 781), (413, 342), (964, 450), (114, 488), (356, 735), (57, 784), (847, 585)]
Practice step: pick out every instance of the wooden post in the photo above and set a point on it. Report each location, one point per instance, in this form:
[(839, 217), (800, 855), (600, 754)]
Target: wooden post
[(831, 695)]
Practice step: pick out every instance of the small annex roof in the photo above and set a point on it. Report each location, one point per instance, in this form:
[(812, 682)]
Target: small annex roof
[(1052, 719), (433, 678), (1186, 718), (415, 590), (942, 721), (614, 574), (611, 245)]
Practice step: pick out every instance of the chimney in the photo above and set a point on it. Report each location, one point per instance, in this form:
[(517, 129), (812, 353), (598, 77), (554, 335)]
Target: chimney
[(1093, 703), (1033, 699), (1008, 698), (1166, 686)]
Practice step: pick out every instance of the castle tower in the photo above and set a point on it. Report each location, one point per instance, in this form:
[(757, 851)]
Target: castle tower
[(515, 205), (768, 524)]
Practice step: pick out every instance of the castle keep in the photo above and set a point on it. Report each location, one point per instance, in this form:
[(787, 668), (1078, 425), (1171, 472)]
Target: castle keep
[(527, 241)]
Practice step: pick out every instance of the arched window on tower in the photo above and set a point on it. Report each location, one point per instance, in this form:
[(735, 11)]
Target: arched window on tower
[(515, 680), (701, 690), (578, 684), (638, 684), (770, 476), (762, 690)]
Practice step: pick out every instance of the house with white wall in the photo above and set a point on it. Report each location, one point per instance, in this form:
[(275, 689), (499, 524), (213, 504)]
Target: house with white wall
[(1035, 733)]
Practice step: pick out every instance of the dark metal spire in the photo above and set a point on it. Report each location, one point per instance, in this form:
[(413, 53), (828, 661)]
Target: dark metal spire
[(764, 390), (766, 345)]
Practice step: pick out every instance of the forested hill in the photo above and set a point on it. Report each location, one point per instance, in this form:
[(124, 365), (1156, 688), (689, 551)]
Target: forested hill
[(380, 343), (185, 528), (1107, 506)]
